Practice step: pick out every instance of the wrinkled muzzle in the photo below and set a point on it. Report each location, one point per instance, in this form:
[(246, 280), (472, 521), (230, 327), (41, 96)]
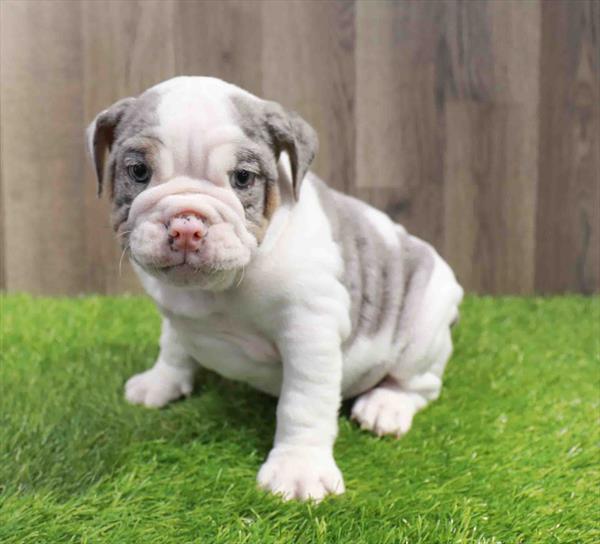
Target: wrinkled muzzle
[(189, 232)]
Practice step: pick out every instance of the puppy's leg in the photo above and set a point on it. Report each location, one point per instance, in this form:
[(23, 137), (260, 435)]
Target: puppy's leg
[(430, 309), (390, 407), (171, 377), (301, 464)]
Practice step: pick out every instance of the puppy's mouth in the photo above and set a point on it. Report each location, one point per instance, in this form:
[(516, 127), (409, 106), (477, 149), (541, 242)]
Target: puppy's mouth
[(184, 261), (184, 264), (212, 260), (183, 273)]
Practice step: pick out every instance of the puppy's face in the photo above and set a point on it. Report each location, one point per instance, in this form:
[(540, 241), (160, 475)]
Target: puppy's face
[(195, 176)]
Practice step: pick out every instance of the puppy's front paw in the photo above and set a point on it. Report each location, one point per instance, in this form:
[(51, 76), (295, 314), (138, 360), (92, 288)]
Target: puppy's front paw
[(385, 411), (301, 473), (158, 386)]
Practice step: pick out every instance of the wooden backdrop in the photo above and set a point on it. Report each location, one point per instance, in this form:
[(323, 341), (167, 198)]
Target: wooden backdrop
[(474, 123)]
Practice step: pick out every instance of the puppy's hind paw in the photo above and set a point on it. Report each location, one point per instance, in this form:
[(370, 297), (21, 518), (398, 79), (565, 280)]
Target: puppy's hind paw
[(158, 386), (385, 411)]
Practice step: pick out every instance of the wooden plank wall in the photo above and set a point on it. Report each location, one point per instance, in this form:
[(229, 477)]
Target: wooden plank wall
[(475, 124)]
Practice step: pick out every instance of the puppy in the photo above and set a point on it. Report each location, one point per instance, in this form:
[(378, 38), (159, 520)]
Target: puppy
[(265, 275)]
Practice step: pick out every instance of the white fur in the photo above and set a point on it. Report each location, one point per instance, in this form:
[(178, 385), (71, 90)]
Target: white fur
[(281, 326), (170, 378), (386, 410), (285, 473)]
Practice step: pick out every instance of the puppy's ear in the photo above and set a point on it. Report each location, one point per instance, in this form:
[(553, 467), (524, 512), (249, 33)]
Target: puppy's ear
[(292, 134), (100, 135)]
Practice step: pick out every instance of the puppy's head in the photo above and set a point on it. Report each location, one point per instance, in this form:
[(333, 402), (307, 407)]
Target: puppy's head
[(195, 174)]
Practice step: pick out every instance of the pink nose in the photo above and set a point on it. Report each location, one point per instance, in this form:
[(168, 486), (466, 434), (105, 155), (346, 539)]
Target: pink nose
[(186, 232)]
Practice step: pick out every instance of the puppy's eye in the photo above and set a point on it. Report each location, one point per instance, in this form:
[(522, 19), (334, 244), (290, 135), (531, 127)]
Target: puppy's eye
[(139, 172), (242, 179)]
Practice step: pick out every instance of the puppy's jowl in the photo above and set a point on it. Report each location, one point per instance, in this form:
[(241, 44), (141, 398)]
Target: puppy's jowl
[(265, 275)]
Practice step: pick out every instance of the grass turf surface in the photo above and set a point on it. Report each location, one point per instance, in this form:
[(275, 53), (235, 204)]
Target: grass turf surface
[(509, 453)]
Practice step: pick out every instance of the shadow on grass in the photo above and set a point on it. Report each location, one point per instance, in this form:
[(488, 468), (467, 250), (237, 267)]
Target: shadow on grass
[(86, 432)]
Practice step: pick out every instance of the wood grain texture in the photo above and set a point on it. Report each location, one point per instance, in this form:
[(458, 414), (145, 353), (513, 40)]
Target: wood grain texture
[(399, 152), (475, 124), (490, 177), (568, 211), (2, 224), (221, 39), (308, 65), (42, 160)]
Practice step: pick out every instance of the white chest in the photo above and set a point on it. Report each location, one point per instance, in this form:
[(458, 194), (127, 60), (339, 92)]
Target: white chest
[(220, 338), (221, 341)]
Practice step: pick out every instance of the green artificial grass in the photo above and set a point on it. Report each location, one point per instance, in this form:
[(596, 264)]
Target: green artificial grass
[(509, 453)]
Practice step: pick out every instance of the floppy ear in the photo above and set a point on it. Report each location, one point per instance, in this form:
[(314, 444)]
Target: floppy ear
[(100, 135), (292, 134)]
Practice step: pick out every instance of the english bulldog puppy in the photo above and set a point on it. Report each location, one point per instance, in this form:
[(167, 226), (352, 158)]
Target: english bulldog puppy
[(264, 274)]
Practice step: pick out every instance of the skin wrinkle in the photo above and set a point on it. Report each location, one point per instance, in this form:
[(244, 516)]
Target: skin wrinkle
[(370, 296), (386, 296), (409, 268), (210, 207), (374, 273), (352, 241), (419, 268), (355, 284), (393, 290), (352, 277), (187, 186)]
